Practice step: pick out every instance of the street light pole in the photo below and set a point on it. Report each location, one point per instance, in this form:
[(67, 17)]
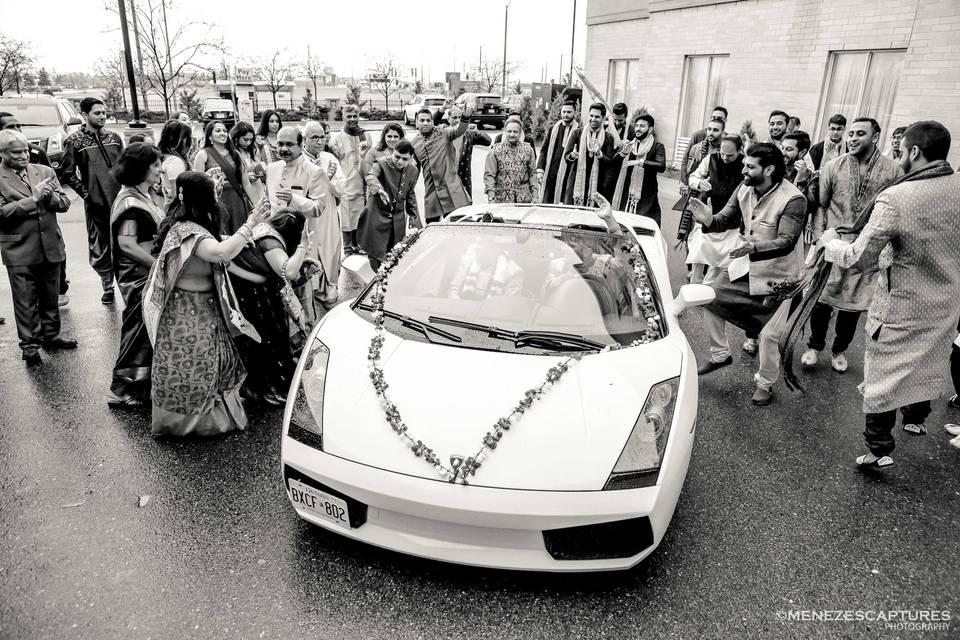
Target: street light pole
[(506, 15), (573, 36), (131, 77)]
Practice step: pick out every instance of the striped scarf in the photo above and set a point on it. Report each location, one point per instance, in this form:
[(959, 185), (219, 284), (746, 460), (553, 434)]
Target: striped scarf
[(641, 149), (581, 194), (557, 196)]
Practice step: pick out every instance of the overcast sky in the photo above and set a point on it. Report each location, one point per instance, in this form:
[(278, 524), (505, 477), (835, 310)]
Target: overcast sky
[(349, 35)]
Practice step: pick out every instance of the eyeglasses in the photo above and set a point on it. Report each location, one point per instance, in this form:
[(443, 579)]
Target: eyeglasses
[(316, 137)]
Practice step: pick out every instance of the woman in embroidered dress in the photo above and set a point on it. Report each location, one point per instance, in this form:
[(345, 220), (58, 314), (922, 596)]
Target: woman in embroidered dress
[(270, 362), (133, 224), (511, 169), (270, 125), (244, 141), (218, 156), (190, 312), (635, 187), (392, 134), (176, 143)]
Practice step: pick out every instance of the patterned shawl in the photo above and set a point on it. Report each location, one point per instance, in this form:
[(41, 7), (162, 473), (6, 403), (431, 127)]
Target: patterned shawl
[(178, 247), (581, 191), (640, 150), (557, 196)]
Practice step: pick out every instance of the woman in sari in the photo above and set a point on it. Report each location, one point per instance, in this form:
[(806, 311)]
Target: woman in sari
[(392, 134), (218, 156), (243, 136), (270, 362), (270, 125), (176, 144), (190, 312), (134, 220)]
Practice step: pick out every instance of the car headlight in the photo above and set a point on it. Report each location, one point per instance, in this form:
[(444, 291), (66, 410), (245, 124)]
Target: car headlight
[(55, 144), (640, 460), (306, 416)]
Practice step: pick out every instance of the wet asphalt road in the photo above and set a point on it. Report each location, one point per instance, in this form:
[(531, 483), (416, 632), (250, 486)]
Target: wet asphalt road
[(773, 517)]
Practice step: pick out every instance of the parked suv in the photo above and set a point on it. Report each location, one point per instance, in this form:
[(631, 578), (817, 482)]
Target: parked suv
[(483, 108), (45, 120), (219, 110)]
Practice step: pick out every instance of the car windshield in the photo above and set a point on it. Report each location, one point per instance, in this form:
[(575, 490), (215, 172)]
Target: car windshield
[(511, 288), (433, 102), (218, 105), (489, 99), (43, 115)]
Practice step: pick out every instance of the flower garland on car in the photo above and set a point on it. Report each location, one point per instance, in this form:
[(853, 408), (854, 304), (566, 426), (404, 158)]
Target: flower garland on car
[(460, 467)]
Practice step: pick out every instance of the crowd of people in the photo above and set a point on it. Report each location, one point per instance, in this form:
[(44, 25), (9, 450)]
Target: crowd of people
[(225, 249)]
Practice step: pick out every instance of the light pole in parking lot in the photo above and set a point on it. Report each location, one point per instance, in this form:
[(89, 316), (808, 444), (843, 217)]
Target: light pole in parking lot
[(506, 15), (136, 123)]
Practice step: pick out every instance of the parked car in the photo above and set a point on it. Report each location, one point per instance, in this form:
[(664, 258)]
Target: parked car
[(514, 102), (220, 110), (434, 102), (586, 479), (483, 108), (45, 120)]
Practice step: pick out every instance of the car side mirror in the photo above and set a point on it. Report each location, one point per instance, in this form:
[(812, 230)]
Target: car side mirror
[(74, 120), (692, 295)]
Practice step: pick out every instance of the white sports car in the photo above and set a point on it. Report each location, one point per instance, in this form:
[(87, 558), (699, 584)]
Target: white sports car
[(520, 396)]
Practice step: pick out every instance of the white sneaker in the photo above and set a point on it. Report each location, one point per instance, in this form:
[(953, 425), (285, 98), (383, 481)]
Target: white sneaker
[(750, 346), (810, 358), (952, 429), (839, 363), (63, 300)]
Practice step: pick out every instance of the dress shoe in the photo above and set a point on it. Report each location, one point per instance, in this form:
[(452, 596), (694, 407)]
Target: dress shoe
[(762, 397), (107, 297), (32, 357), (124, 402), (952, 429), (711, 365), (750, 346), (63, 300), (59, 343)]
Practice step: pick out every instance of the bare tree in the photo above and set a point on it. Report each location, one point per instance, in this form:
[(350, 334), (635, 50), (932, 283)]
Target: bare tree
[(113, 74), (276, 72), (171, 50), (312, 68), (383, 80), (15, 60), (490, 73)]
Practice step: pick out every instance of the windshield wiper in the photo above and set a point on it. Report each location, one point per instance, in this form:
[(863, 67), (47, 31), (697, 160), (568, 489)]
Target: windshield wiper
[(423, 327), (545, 339)]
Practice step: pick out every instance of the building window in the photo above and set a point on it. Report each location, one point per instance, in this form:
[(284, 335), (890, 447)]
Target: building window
[(860, 83), (704, 87), (623, 80)]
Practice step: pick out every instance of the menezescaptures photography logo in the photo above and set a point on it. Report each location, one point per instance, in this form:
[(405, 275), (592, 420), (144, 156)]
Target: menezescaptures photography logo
[(891, 619)]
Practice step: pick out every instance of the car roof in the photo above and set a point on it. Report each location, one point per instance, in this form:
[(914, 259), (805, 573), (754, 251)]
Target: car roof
[(433, 96), (553, 214), (219, 100), (37, 99)]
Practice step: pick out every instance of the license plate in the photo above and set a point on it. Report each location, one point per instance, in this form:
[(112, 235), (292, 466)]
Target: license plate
[(319, 503)]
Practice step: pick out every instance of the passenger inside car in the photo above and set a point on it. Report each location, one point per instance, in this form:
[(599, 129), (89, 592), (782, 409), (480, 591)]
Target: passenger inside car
[(484, 271)]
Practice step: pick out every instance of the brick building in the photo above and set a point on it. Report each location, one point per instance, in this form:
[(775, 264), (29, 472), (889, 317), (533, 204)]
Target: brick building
[(895, 60)]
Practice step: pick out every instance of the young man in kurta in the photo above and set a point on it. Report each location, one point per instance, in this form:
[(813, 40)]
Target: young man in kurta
[(588, 154), (391, 203), (847, 185), (350, 147), (913, 238), (443, 191), (551, 167)]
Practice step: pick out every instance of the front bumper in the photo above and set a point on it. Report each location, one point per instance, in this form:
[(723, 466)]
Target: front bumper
[(483, 526)]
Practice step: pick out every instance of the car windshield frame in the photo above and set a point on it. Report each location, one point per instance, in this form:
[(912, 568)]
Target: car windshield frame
[(434, 102), (26, 113), (551, 313)]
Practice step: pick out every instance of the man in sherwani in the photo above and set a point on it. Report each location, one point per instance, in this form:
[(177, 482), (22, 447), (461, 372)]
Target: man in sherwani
[(350, 148), (588, 153), (391, 203), (847, 185), (913, 238), (433, 147), (550, 165), (467, 137), (31, 245), (296, 186)]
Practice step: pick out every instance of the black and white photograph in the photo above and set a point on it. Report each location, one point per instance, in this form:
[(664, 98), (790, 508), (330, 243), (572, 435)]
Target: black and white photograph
[(521, 319)]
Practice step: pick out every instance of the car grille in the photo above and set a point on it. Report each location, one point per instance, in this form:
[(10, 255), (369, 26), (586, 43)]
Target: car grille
[(607, 540), (358, 510)]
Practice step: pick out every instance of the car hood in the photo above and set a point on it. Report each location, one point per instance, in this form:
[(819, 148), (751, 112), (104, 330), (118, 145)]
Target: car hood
[(34, 132), (450, 398)]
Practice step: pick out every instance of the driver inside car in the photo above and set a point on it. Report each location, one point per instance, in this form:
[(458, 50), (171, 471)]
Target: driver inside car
[(485, 271)]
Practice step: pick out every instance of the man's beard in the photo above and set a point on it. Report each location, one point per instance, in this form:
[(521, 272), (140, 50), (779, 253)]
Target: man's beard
[(752, 181), (773, 136)]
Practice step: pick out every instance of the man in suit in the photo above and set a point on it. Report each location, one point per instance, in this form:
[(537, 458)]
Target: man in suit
[(913, 238), (31, 245)]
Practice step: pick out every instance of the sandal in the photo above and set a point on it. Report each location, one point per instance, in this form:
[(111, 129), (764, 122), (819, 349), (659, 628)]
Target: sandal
[(914, 429), (876, 463)]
